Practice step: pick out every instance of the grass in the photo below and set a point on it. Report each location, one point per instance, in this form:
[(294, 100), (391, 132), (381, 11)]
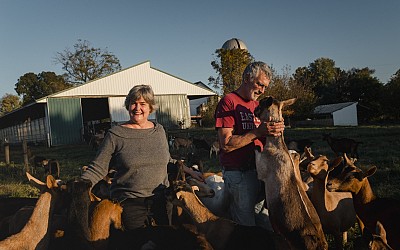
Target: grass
[(380, 147)]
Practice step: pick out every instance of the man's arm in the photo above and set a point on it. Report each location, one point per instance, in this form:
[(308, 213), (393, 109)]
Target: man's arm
[(229, 142)]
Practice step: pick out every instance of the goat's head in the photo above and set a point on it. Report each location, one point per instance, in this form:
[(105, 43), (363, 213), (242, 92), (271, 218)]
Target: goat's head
[(177, 191), (373, 241), (320, 166), (270, 109), (347, 177), (55, 187)]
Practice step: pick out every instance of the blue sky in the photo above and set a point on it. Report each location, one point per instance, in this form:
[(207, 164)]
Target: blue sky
[(181, 36)]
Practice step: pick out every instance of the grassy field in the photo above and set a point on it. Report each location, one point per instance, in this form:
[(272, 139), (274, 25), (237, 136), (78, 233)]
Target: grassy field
[(380, 147)]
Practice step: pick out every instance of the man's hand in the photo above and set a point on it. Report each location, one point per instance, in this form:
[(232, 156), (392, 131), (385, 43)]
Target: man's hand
[(274, 128), (270, 129)]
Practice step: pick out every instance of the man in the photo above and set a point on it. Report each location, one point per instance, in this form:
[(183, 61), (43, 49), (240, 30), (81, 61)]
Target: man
[(239, 132)]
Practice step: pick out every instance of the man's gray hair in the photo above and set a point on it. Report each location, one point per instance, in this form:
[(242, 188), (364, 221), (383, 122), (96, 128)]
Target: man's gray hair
[(254, 68)]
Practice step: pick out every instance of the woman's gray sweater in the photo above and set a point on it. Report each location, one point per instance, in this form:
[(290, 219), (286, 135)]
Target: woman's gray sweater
[(140, 157)]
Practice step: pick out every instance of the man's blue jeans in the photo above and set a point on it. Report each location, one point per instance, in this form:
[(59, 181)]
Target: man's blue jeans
[(243, 189)]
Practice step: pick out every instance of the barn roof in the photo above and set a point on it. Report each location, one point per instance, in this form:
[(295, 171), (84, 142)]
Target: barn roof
[(330, 108), (119, 84)]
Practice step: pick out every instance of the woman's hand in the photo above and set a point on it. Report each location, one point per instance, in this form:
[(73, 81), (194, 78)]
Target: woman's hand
[(195, 174)]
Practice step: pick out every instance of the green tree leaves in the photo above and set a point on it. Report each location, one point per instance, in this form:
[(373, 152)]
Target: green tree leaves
[(31, 86), (86, 63), (8, 103)]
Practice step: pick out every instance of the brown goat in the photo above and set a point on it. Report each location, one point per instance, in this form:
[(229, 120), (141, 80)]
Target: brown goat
[(336, 210), (220, 232), (373, 241), (290, 210), (89, 228), (342, 145), (369, 208), (35, 234), (185, 143)]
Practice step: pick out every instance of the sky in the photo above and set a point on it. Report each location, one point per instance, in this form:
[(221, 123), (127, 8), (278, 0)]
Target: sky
[(180, 36)]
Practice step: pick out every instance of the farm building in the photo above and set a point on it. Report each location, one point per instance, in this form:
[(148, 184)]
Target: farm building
[(338, 114), (69, 116)]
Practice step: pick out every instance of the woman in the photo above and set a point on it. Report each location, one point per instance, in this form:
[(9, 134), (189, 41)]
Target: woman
[(139, 153)]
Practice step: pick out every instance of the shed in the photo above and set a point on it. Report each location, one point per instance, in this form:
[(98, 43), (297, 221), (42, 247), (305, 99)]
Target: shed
[(342, 114), (69, 116)]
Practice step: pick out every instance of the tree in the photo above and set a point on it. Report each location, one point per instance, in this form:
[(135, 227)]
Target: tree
[(9, 103), (229, 65), (362, 87), (284, 86), (390, 98), (86, 63), (322, 77), (32, 86)]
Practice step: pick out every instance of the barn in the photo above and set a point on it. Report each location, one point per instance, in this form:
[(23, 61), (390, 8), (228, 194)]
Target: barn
[(70, 116), (339, 114)]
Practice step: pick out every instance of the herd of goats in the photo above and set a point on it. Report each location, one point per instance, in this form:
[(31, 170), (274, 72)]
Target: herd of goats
[(307, 198)]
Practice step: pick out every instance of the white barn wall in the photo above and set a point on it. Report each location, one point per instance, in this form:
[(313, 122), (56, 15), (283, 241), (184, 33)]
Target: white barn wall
[(118, 113), (346, 116)]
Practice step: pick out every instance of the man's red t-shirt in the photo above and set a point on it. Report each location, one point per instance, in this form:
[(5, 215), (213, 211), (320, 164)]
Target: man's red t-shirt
[(235, 112)]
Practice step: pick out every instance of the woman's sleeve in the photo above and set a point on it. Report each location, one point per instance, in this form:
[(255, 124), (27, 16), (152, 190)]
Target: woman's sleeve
[(98, 168)]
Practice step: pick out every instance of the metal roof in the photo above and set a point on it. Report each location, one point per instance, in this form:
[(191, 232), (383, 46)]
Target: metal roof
[(234, 43), (330, 108), (119, 84)]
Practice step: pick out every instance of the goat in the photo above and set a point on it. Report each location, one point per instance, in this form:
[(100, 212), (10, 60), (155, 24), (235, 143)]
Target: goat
[(342, 145), (214, 148), (175, 171), (369, 208), (290, 210), (221, 232), (97, 139), (185, 143), (336, 210), (101, 189), (373, 241), (218, 204), (299, 144), (88, 225), (37, 227), (50, 166)]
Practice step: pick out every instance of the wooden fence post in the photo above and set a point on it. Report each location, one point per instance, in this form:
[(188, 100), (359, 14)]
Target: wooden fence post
[(7, 152), (25, 150)]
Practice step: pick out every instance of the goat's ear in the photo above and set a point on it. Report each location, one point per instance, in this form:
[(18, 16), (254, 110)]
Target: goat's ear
[(93, 197), (370, 171), (307, 151), (51, 182), (335, 163), (35, 182), (288, 102), (380, 230)]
